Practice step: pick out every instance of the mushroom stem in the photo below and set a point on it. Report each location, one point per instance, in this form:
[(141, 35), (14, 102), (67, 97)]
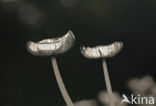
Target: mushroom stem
[(108, 84), (60, 83)]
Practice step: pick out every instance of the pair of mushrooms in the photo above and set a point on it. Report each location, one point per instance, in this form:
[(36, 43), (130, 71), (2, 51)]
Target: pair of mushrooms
[(57, 46)]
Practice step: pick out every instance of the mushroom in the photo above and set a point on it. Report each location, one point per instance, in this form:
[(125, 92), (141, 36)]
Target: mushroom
[(102, 52), (53, 47)]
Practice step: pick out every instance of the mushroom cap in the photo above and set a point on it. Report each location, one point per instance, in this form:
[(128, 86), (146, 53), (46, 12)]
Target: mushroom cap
[(53, 46), (102, 51)]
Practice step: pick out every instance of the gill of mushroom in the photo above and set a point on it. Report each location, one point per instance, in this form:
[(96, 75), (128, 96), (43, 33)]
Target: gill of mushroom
[(102, 52), (53, 47)]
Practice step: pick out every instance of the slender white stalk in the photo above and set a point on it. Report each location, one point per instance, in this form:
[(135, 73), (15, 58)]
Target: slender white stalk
[(60, 83), (108, 84)]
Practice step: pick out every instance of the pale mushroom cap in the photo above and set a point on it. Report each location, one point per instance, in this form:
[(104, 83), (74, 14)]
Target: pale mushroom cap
[(102, 51), (53, 46)]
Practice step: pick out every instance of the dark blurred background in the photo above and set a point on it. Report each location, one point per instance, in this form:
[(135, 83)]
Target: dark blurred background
[(27, 80)]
